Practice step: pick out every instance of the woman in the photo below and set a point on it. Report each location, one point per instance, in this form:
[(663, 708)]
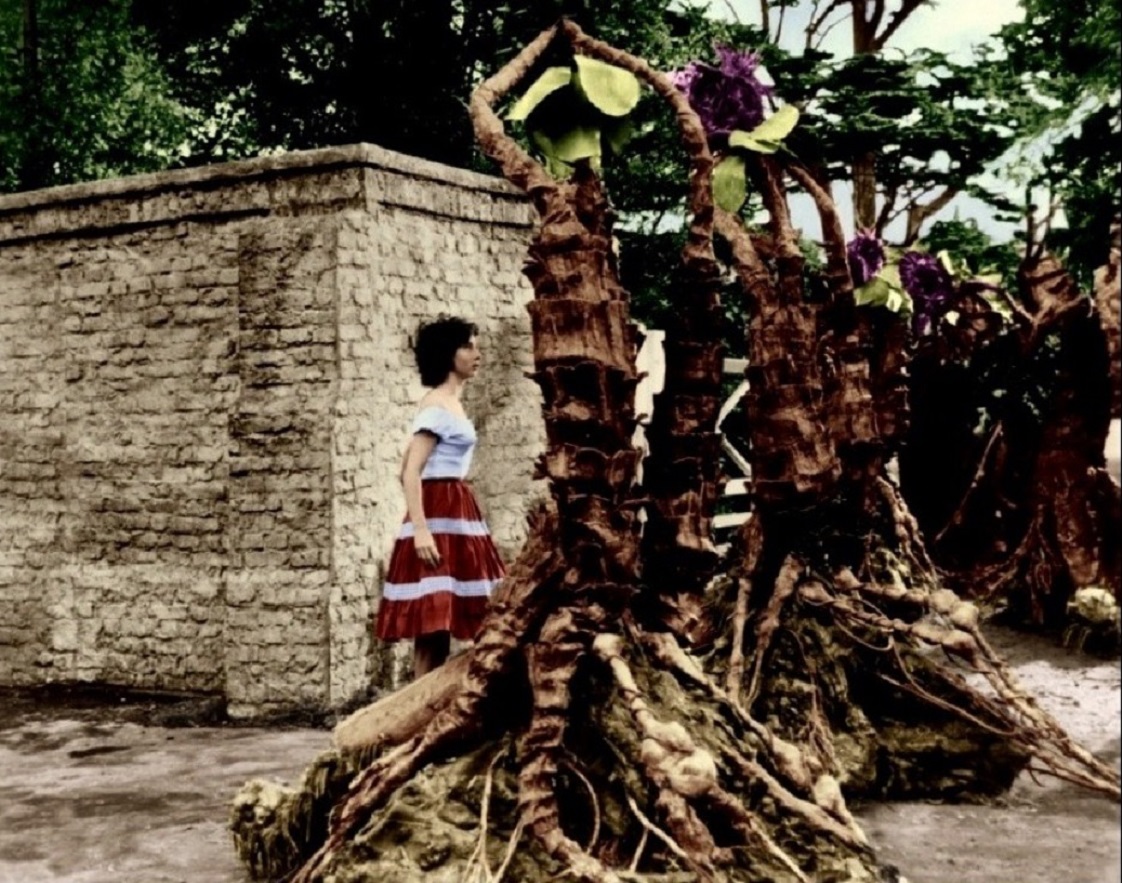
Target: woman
[(444, 563)]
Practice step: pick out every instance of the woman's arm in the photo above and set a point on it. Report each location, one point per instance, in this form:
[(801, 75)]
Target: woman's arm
[(416, 455)]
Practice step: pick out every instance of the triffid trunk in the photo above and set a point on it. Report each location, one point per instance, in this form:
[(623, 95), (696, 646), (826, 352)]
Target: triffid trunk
[(577, 736), (1026, 514)]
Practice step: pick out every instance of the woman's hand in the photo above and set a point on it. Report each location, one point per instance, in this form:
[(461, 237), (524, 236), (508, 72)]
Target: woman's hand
[(425, 546)]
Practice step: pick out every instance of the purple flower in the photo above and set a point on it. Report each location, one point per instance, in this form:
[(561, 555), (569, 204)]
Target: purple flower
[(930, 285), (727, 97), (866, 256)]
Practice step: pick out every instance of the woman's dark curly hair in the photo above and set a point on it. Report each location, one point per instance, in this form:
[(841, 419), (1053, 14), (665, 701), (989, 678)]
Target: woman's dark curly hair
[(435, 347)]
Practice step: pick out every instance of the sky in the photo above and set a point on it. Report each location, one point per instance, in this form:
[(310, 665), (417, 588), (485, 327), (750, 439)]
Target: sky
[(951, 26)]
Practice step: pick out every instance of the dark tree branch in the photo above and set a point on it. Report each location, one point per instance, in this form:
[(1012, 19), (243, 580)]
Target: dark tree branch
[(816, 23), (779, 27), (918, 212), (877, 17), (907, 7), (833, 236), (887, 209)]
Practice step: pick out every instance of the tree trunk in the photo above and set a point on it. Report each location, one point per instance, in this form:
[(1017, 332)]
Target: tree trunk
[(579, 719)]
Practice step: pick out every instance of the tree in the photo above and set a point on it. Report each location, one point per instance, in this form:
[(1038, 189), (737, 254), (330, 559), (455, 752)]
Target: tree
[(81, 96), (1059, 70), (588, 715), (301, 74), (913, 130)]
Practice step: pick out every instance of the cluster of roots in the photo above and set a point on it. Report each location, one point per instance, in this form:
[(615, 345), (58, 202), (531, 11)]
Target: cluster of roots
[(634, 759)]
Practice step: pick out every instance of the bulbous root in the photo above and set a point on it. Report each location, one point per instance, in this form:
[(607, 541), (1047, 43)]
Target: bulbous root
[(941, 619)]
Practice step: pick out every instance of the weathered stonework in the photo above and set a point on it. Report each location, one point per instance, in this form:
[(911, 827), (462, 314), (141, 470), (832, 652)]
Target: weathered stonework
[(205, 382)]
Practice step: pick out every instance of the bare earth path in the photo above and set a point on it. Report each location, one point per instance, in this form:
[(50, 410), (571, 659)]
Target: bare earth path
[(89, 796)]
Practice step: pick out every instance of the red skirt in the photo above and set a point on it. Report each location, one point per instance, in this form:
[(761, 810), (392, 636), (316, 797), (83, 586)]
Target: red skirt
[(417, 598)]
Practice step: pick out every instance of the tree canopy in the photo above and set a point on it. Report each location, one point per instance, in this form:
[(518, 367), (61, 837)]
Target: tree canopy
[(82, 95), (90, 90)]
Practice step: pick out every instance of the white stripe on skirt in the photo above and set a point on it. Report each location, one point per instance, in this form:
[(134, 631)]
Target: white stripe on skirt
[(476, 588), (458, 526)]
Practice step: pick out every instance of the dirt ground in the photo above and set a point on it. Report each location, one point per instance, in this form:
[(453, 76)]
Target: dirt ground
[(92, 792)]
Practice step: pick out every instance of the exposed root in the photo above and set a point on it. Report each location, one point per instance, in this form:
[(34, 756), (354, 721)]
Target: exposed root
[(515, 836), (572, 767), (691, 796), (979, 475), (753, 546), (672, 762), (751, 831), (478, 867), (735, 674), (650, 827), (1015, 715), (784, 588), (826, 809), (795, 766), (838, 822), (907, 529), (642, 839), (551, 662)]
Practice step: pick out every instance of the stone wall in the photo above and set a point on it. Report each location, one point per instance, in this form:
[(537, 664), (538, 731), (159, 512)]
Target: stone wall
[(205, 382)]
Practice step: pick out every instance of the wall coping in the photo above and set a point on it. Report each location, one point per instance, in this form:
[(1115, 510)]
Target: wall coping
[(362, 155)]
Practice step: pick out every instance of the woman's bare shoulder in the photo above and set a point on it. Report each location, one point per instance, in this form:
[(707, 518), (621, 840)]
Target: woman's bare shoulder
[(436, 398)]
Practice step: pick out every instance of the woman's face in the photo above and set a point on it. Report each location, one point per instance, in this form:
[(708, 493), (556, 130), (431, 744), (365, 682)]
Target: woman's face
[(467, 359)]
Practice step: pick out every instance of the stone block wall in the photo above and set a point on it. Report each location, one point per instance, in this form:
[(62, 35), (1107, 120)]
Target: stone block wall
[(205, 384)]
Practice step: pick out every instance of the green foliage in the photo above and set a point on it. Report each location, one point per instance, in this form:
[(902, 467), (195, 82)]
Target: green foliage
[(885, 290), (930, 123), (1061, 68), (571, 114), (553, 79), (92, 102), (730, 182), (768, 136), (971, 245), (611, 90)]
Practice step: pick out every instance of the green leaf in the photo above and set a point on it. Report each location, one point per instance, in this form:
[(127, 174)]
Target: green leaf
[(767, 137), (897, 301), (617, 133), (549, 82), (884, 290), (610, 89), (777, 126), (730, 186), (562, 171), (743, 139), (873, 293), (577, 143)]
